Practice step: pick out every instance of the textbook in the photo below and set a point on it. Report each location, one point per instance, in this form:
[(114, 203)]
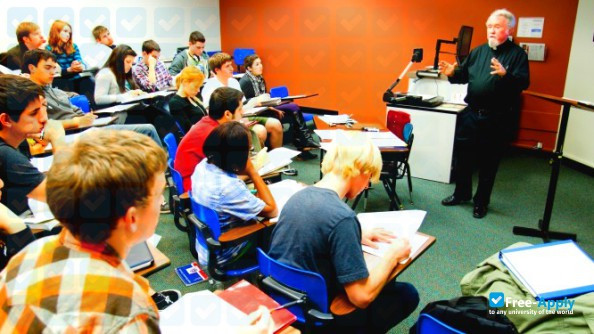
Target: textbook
[(191, 274), (247, 298), (278, 158), (552, 270), (139, 257)]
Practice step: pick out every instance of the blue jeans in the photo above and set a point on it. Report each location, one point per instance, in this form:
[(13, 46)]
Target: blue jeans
[(145, 129), (393, 304)]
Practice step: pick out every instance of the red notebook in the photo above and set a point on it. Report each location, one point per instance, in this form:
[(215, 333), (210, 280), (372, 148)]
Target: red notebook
[(247, 298)]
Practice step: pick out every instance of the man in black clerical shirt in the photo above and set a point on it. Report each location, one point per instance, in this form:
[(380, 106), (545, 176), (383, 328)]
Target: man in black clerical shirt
[(496, 73)]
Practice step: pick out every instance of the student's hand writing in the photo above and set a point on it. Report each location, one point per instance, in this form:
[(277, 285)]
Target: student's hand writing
[(75, 66), (136, 92), (86, 120), (369, 237), (247, 122), (399, 249), (447, 68)]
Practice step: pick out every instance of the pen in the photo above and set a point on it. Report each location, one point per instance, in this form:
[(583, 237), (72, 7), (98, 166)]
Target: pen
[(295, 302), (42, 134)]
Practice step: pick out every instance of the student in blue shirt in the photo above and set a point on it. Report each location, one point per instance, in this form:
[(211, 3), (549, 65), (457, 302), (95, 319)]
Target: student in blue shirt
[(216, 185)]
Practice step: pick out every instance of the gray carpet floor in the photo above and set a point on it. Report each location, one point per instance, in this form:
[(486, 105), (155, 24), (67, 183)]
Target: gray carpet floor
[(462, 241)]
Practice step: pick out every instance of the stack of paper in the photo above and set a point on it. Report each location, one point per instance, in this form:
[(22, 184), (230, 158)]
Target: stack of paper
[(253, 111), (380, 139), (336, 119), (104, 121), (278, 158), (551, 271), (201, 312), (282, 191), (42, 217), (403, 224)]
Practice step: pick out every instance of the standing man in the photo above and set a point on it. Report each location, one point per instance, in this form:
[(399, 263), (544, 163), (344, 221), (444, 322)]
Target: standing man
[(193, 56), (29, 37), (496, 73)]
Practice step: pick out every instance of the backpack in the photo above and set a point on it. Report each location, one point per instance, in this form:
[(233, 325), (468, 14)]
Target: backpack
[(469, 315)]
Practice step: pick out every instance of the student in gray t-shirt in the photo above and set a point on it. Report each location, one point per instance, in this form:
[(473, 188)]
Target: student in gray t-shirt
[(326, 238)]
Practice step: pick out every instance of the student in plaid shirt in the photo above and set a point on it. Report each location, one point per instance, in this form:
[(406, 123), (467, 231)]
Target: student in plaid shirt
[(150, 74), (76, 281)]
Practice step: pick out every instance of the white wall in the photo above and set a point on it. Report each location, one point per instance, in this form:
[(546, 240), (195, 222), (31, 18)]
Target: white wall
[(579, 140), (130, 22)]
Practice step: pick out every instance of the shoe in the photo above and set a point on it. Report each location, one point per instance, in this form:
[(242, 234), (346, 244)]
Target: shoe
[(165, 207), (452, 200), (165, 298), (479, 211), (306, 155)]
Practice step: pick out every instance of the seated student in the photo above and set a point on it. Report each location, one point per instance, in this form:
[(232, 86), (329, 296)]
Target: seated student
[(69, 59), (193, 56), (150, 74), (105, 297), (253, 86), (23, 115), (185, 106), (29, 37), (225, 106), (318, 232), (114, 84), (14, 234), (40, 64), (103, 36), (215, 185), (222, 66)]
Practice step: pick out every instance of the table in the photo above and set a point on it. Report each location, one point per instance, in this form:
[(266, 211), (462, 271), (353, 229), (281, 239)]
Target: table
[(341, 304)]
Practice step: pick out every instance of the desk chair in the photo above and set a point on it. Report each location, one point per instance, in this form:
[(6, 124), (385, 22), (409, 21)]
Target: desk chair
[(240, 54), (171, 145), (283, 91), (285, 284), (207, 230), (180, 204), (394, 167), (82, 102), (211, 53), (430, 325)]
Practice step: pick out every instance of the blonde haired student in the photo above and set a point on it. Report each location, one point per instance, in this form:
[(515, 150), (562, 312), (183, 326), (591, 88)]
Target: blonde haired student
[(185, 106), (326, 238)]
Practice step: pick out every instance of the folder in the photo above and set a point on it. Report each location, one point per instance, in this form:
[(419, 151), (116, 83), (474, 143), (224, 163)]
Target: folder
[(552, 270)]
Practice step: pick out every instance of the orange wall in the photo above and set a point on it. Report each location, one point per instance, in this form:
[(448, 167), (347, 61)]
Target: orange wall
[(351, 51)]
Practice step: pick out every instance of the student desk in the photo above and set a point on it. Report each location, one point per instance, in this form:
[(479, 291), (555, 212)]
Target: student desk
[(341, 304)]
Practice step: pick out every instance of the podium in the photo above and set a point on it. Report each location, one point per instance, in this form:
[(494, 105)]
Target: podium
[(543, 224)]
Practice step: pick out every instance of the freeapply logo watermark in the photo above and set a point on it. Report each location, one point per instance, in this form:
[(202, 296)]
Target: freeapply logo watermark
[(521, 306)]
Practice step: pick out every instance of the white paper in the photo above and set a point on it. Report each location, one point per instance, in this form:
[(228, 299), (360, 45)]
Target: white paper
[(253, 111), (416, 242), (277, 158), (154, 239), (43, 164), (552, 268), (201, 312), (531, 27), (380, 139), (403, 224), (282, 192), (116, 108), (336, 119), (40, 210), (102, 121)]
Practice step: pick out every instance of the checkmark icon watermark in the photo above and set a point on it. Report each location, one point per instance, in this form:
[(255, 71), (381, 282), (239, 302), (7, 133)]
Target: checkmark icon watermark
[(496, 299)]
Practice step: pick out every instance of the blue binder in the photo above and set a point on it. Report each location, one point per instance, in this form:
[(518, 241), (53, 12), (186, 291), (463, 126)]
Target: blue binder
[(520, 273)]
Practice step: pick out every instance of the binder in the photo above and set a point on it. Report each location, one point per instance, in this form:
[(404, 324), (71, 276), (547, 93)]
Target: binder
[(552, 270), (139, 257)]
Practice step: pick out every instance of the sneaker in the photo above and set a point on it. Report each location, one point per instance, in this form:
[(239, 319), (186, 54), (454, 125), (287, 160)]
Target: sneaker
[(165, 298), (165, 207)]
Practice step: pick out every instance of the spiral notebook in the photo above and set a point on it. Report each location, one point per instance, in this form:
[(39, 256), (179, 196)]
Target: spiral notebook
[(552, 270)]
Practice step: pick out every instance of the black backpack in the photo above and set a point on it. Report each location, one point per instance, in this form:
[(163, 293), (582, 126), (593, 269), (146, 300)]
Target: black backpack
[(469, 315)]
